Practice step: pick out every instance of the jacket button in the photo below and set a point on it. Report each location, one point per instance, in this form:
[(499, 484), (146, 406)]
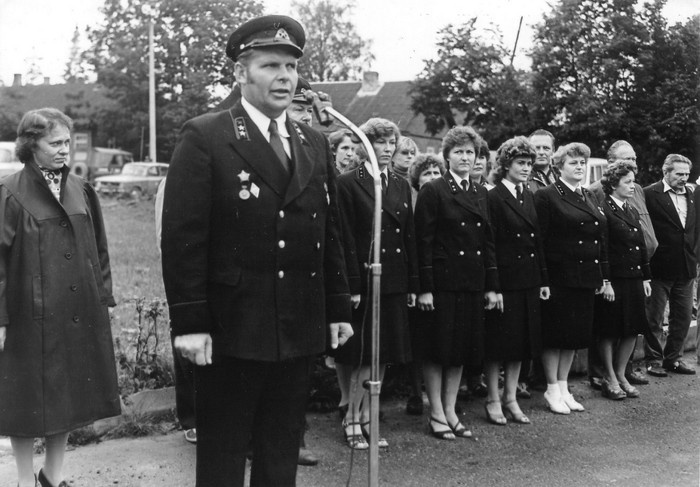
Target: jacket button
[(63, 223), (68, 255), (280, 274), (461, 252), (318, 245), (595, 241), (398, 230), (517, 235), (281, 244), (73, 287), (313, 216), (595, 223), (313, 274), (532, 255), (596, 261), (462, 223), (478, 252), (636, 248), (532, 235), (635, 229), (76, 319), (281, 213), (478, 224), (580, 242), (638, 267), (398, 251)]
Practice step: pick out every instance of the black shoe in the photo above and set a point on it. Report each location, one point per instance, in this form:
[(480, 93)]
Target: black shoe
[(615, 393), (307, 458), (656, 370), (636, 377), (414, 406), (596, 383), (679, 367)]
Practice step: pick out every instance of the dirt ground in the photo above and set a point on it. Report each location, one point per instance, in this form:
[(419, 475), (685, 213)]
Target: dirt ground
[(650, 441)]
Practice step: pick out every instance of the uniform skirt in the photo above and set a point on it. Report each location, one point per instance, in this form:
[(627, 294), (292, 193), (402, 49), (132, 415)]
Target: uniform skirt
[(567, 318), (626, 315), (456, 334), (515, 334), (394, 335)]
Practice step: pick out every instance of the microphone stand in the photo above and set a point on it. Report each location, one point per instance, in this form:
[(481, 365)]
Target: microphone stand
[(374, 384)]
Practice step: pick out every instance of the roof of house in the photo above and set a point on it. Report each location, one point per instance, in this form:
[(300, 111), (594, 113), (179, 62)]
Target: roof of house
[(61, 96)]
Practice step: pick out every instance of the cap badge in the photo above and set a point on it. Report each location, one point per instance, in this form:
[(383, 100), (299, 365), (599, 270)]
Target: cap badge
[(281, 35)]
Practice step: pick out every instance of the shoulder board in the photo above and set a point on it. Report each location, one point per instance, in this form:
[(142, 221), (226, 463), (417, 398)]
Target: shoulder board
[(560, 188), (241, 129), (453, 185), (361, 171), (301, 135)]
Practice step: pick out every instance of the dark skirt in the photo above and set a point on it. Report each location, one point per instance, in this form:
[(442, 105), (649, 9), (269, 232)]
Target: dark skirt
[(456, 334), (626, 315), (419, 323), (567, 318), (394, 335), (515, 334)]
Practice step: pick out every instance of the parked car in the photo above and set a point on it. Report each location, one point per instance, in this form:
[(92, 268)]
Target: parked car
[(137, 179), (8, 160)]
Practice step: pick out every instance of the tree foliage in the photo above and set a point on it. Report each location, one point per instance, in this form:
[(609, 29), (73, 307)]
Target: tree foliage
[(334, 51), (470, 82), (190, 64)]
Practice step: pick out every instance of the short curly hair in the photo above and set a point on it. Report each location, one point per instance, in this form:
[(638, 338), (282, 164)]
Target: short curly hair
[(374, 128), (574, 149), (459, 135), (420, 164), (34, 125), (509, 150), (613, 174), (338, 136)]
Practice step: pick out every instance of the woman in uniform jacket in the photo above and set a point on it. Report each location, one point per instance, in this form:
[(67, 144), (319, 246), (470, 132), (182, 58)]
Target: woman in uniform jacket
[(458, 277), (399, 280), (619, 311), (513, 334), (573, 233), (56, 352)]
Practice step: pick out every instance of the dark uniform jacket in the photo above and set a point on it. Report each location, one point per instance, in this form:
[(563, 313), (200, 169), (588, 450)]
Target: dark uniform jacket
[(627, 252), (398, 244), (57, 371), (455, 242), (519, 252), (573, 232), (675, 256), (250, 254)]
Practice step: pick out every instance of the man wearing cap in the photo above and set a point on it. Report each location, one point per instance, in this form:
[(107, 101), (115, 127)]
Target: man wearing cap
[(252, 262)]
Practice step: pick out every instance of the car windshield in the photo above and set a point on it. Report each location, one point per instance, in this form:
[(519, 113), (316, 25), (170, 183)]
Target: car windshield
[(134, 170)]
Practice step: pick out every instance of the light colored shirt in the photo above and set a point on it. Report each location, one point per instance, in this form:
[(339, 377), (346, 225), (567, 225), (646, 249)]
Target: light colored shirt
[(262, 121), (511, 187), (572, 188), (679, 201), (459, 180)]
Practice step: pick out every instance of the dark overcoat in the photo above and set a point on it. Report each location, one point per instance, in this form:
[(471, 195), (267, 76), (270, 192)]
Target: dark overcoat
[(398, 245), (627, 252), (250, 255), (454, 238), (573, 234), (675, 256), (57, 371)]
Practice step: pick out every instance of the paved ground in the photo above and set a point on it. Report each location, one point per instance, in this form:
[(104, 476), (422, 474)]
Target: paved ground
[(650, 441)]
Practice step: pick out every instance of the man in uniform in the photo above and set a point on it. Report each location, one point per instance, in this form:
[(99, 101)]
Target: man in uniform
[(252, 263), (542, 173)]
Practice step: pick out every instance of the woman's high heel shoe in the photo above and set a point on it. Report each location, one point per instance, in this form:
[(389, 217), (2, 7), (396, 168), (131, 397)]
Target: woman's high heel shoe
[(381, 442), (354, 441), (615, 393), (498, 419), (44, 482), (442, 434), (512, 412)]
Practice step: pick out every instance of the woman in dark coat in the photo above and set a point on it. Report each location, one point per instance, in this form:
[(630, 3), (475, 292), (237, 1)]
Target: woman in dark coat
[(514, 334), (399, 281), (573, 233), (457, 274), (620, 311), (57, 360)]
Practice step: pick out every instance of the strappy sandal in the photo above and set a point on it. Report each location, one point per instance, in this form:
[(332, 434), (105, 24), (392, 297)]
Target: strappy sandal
[(381, 442), (354, 441), (460, 431), (442, 434), (516, 416), (498, 419)]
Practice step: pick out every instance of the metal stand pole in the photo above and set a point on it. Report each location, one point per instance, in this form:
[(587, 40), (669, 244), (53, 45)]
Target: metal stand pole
[(374, 384)]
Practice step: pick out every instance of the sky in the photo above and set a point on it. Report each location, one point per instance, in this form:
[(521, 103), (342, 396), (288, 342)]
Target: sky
[(403, 32)]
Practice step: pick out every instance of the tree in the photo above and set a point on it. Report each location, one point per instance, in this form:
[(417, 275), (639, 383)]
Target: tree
[(469, 82), (334, 51), (190, 64), (75, 69)]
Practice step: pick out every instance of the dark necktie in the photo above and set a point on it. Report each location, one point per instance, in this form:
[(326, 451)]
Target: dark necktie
[(465, 185), (384, 183), (580, 193), (626, 209), (519, 193), (276, 143)]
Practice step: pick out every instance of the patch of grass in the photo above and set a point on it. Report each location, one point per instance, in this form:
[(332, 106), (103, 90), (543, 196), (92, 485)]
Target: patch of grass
[(137, 425)]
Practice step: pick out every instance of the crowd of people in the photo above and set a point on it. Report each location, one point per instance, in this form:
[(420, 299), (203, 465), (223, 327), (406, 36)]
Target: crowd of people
[(498, 268)]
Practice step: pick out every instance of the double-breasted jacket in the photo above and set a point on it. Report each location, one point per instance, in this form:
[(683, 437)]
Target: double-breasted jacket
[(398, 245), (454, 237), (627, 251), (573, 235)]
